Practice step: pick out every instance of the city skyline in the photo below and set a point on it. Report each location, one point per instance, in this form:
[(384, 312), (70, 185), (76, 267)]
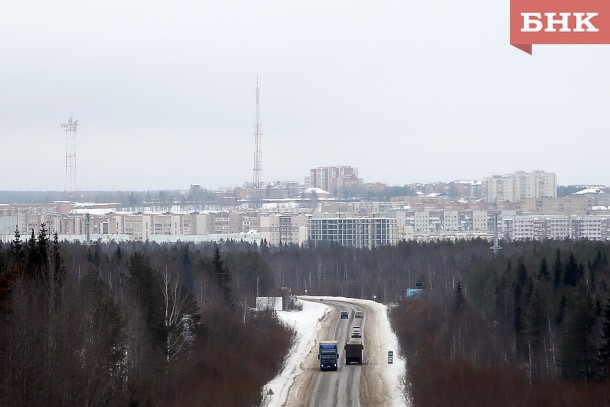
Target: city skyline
[(165, 95)]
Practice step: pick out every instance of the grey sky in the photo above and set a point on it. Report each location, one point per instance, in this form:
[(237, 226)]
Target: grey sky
[(406, 91)]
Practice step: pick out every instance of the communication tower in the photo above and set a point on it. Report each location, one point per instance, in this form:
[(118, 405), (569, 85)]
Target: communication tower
[(70, 186), (258, 148)]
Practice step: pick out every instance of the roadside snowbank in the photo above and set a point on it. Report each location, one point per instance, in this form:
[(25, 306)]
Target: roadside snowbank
[(306, 323)]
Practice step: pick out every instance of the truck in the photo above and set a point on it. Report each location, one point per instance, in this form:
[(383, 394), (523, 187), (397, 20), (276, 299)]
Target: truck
[(328, 355), (353, 351)]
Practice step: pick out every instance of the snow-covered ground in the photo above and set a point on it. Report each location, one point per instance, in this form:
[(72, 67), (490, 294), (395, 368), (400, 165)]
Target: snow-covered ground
[(307, 323)]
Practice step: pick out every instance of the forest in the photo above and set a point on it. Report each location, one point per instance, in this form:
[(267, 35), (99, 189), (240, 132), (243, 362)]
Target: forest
[(133, 324), (528, 327), (146, 324)]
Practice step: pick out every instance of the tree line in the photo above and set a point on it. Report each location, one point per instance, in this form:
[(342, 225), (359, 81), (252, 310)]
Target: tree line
[(171, 324)]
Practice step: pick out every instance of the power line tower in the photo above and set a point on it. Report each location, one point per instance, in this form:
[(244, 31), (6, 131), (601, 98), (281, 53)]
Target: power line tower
[(258, 148), (70, 186), (496, 247)]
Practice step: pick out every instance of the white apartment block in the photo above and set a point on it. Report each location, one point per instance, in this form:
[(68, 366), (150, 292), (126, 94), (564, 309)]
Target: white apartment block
[(355, 232), (590, 227), (519, 186), (560, 227), (283, 228), (421, 221), (480, 221)]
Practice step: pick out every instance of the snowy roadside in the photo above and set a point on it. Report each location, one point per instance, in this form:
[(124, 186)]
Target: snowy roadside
[(306, 323)]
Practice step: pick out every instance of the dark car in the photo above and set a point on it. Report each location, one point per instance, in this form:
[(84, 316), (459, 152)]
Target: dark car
[(344, 314)]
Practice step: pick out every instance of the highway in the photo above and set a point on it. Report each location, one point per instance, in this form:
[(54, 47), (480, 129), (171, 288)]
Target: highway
[(351, 385)]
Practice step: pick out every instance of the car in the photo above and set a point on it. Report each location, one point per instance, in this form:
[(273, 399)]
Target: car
[(359, 314), (344, 314), (356, 332)]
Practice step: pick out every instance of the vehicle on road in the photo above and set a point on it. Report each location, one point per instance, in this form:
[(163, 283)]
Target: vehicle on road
[(344, 314), (353, 351), (328, 355), (356, 332), (359, 314)]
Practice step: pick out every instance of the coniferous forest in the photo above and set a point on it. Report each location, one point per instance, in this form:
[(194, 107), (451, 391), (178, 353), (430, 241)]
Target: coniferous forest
[(147, 324)]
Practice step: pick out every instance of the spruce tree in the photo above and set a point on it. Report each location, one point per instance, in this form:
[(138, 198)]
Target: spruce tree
[(459, 297), (557, 270), (576, 356), (572, 272), (543, 273), (603, 351), (33, 258), (43, 249), (224, 278), (16, 248), (534, 317)]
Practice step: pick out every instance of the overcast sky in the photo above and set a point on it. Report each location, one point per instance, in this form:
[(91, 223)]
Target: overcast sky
[(406, 91)]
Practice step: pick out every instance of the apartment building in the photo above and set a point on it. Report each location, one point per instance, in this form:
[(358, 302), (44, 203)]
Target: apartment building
[(354, 232), (590, 227), (334, 179), (284, 228), (519, 186)]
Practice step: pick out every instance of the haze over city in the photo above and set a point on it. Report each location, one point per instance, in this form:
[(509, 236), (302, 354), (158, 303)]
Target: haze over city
[(165, 94)]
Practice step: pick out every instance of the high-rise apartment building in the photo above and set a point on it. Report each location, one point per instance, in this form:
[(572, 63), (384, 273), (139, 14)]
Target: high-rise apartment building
[(334, 179), (519, 186)]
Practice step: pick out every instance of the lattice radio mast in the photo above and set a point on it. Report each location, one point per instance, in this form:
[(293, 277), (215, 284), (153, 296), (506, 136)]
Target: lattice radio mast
[(70, 128), (258, 148)]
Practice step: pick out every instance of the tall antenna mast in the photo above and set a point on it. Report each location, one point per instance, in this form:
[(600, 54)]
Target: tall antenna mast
[(70, 186), (258, 149)]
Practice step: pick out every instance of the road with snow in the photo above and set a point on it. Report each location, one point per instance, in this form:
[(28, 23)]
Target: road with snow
[(374, 383)]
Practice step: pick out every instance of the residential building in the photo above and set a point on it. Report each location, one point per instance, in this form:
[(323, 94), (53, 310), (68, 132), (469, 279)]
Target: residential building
[(519, 186), (355, 232), (283, 228), (334, 179)]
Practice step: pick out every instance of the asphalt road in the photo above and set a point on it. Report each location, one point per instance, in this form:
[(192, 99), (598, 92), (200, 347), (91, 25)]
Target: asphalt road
[(351, 385)]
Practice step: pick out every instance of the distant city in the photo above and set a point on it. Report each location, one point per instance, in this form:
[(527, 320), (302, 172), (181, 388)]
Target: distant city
[(333, 204)]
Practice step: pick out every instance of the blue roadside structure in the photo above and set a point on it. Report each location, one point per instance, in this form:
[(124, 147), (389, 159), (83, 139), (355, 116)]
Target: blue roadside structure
[(415, 292)]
